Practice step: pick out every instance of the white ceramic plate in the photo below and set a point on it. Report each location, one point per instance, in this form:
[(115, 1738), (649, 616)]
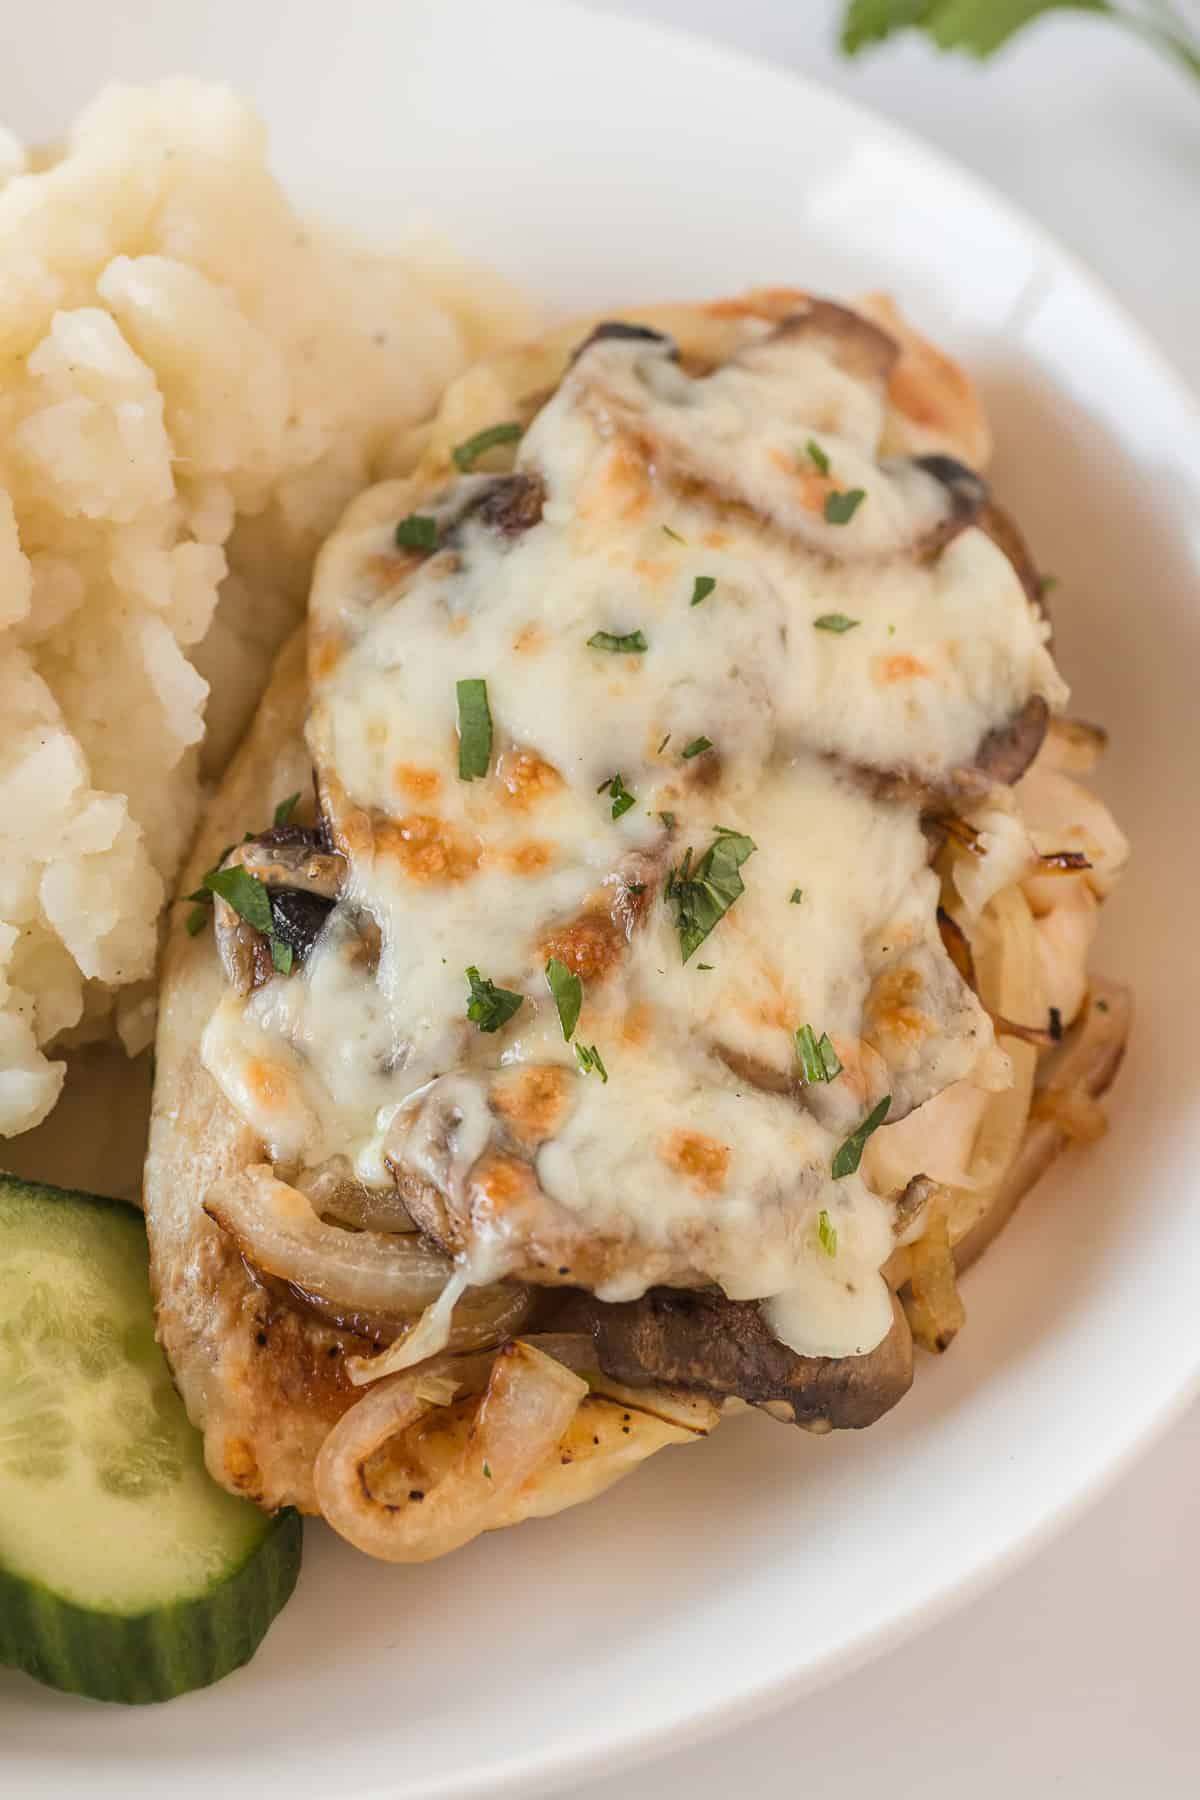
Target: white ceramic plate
[(598, 160)]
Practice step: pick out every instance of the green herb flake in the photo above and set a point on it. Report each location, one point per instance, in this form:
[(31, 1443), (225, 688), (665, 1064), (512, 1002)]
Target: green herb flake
[(663, 745), (1102, 1006), (417, 532), (620, 795), (197, 919), (697, 747), (632, 643), (702, 588), (281, 956), (487, 1471), (467, 454), (590, 1061), (706, 965), (817, 456), (827, 1233), (285, 809), (474, 729), (850, 1153), (490, 1006), (674, 535), (840, 508), (1047, 585), (795, 897), (567, 989), (245, 893), (819, 1061), (835, 622), (703, 894), (668, 819)]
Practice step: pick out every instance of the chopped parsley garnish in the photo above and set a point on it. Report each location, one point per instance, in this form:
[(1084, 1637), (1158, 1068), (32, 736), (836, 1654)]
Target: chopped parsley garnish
[(702, 588), (567, 989), (1102, 1006), (840, 508), (474, 729), (697, 747), (849, 1155), (663, 745), (281, 956), (835, 622), (630, 644), (1047, 585), (668, 819), (827, 1233), (203, 897), (487, 1471), (417, 532), (706, 965), (819, 1060), (795, 897), (590, 1061), (621, 797), (674, 534), (818, 456), (704, 893), (285, 809), (245, 893), (635, 887), (490, 1006), (467, 454)]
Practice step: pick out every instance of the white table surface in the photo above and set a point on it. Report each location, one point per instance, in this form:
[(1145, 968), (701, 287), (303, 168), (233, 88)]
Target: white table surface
[(1077, 1676)]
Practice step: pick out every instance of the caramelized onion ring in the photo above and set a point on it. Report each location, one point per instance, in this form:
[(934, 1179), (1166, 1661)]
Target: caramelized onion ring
[(278, 1232), (526, 1407)]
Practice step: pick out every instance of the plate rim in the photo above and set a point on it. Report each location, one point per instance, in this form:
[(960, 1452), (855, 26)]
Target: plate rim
[(537, 1770)]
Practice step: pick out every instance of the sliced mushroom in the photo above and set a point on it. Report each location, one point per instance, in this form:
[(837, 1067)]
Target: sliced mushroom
[(705, 1340), (852, 343), (303, 878), (1006, 753)]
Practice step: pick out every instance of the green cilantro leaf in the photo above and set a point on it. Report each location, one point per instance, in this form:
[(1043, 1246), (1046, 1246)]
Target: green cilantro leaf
[(827, 1233), (474, 729), (630, 644), (567, 989), (285, 809), (245, 893), (590, 1061), (417, 532), (697, 747), (849, 1155), (620, 795), (819, 1061), (702, 588), (835, 622), (977, 27), (281, 956), (467, 454), (703, 895), (840, 508), (796, 896), (817, 456), (674, 534), (490, 1006)]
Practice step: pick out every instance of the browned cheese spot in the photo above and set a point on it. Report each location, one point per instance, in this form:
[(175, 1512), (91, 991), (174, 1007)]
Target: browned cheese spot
[(702, 1159), (590, 945), (526, 777), (533, 1102), (427, 848)]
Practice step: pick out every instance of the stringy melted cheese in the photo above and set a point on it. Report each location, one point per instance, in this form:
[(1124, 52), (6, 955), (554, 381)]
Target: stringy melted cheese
[(699, 1153)]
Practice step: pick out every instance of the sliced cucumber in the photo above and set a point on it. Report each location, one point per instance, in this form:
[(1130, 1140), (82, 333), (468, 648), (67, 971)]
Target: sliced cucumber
[(126, 1573)]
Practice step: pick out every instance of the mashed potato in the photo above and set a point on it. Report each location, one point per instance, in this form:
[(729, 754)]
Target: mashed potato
[(193, 381)]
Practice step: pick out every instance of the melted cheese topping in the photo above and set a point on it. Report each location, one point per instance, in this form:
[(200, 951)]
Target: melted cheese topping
[(701, 1157)]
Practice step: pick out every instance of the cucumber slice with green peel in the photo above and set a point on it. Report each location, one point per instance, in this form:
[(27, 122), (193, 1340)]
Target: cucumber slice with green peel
[(126, 1573)]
